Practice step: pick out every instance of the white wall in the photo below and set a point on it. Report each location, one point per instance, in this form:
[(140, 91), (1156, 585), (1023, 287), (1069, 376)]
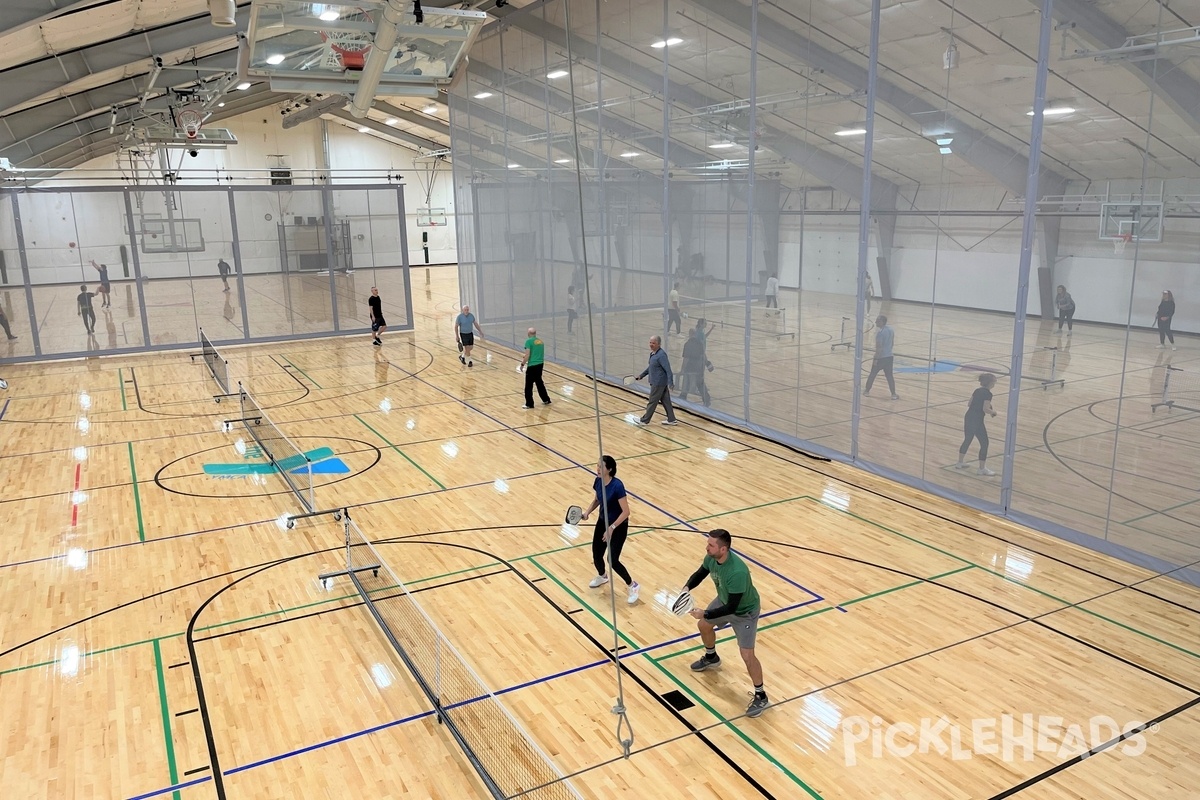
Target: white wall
[(94, 221)]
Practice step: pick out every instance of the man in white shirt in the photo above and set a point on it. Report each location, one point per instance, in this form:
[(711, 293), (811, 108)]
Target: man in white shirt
[(773, 291), (673, 315)]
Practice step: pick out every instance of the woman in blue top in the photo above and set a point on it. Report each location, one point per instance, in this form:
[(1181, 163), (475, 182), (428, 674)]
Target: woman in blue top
[(612, 525)]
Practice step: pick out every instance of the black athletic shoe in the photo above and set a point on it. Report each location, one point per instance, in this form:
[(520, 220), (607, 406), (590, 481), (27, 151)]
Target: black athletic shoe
[(704, 662), (545, 402), (757, 705)]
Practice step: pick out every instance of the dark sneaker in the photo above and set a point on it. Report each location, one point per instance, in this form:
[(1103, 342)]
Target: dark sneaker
[(757, 705), (704, 662)]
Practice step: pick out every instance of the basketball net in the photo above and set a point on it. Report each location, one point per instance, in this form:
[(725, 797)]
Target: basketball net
[(1120, 243), (190, 120)]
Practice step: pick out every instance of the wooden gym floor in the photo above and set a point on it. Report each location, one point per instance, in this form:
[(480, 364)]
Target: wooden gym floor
[(164, 636)]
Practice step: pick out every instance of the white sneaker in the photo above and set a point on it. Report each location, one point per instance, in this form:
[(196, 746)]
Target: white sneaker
[(960, 465), (1173, 347), (634, 589), (598, 581), (1160, 347), (984, 471)]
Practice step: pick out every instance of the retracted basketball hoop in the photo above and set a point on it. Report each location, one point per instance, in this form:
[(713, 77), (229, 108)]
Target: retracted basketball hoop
[(190, 120), (349, 48), (1121, 242)]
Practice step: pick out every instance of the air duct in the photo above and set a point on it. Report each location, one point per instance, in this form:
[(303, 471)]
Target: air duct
[(385, 42), (222, 12)]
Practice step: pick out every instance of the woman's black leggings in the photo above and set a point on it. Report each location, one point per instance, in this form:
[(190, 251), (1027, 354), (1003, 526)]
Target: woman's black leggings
[(1164, 331), (616, 542), (1066, 315), (973, 428)]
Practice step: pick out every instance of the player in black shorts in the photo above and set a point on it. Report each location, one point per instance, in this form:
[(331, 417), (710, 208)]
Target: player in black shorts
[(378, 323)]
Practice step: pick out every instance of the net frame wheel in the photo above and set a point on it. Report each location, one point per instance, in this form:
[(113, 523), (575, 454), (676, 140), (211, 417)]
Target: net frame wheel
[(337, 517), (291, 523)]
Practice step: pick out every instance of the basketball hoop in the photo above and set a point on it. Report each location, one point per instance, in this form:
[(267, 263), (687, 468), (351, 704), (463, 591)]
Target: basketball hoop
[(1120, 242), (348, 49), (190, 120)]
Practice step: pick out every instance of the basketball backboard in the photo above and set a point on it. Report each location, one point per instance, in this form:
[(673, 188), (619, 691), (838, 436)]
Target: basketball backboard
[(302, 46), (1138, 222)]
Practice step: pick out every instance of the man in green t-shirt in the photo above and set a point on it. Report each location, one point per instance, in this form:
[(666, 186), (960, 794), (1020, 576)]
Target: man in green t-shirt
[(735, 605), (533, 362)]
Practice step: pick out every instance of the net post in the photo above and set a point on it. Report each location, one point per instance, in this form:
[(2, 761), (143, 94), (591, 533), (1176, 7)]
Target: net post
[(841, 342)]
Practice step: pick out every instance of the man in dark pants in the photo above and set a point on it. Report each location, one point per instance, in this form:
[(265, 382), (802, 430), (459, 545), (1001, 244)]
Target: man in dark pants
[(224, 269), (85, 310), (662, 381), (694, 363), (885, 337), (533, 362), (4, 324)]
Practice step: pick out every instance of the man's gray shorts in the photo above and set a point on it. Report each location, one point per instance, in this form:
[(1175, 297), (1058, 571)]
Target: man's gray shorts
[(745, 627)]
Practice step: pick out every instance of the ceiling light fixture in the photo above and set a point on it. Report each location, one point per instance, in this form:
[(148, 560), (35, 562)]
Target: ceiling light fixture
[(630, 155), (276, 58), (430, 109), (363, 129), (329, 15), (562, 161), (558, 73), (1053, 112), (950, 57), (721, 146), (391, 121), (669, 42), (243, 86), (850, 132), (483, 95), (514, 166)]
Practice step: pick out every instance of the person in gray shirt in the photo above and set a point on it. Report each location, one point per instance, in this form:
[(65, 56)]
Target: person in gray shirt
[(662, 381), (885, 337)]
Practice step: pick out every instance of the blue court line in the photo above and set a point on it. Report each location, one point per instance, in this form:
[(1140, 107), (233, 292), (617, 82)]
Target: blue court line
[(4, 410), (367, 731), (570, 460)]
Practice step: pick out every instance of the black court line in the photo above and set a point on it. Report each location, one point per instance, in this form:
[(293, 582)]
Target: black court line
[(196, 770), (356, 604), (180, 664), (185, 713), (1151, 725)]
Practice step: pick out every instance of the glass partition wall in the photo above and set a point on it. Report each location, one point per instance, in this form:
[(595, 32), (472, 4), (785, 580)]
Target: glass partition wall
[(301, 262), (868, 213)]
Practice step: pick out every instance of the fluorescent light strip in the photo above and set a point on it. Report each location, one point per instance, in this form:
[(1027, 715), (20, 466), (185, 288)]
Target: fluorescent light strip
[(1054, 112), (483, 95), (850, 132), (671, 42), (721, 146), (558, 73)]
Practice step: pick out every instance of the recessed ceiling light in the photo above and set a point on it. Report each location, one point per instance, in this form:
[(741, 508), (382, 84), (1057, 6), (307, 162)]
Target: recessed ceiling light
[(1054, 112), (275, 58), (945, 151), (243, 86), (329, 15), (221, 104), (363, 129), (670, 42), (514, 166), (945, 142), (721, 146), (430, 109), (850, 132), (558, 73), (483, 95), (391, 120), (630, 155), (562, 161)]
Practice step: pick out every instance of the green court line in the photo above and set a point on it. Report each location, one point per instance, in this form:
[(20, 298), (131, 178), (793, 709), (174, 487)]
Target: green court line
[(137, 497), (401, 452), (302, 372), (1163, 511), (121, 382), (166, 717), (1005, 577), (815, 612), (695, 697)]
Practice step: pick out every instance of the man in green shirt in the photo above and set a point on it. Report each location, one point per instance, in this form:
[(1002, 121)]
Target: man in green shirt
[(533, 362), (735, 605)]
